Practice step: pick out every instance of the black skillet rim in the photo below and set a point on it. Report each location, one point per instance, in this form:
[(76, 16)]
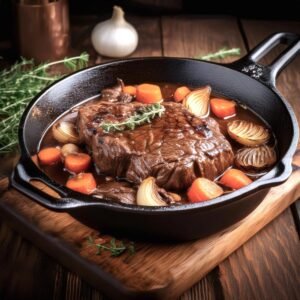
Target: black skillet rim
[(270, 179)]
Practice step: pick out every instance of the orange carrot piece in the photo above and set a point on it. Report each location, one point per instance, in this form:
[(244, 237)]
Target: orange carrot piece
[(223, 108), (49, 156), (77, 162), (129, 89), (235, 179), (203, 189), (180, 93), (148, 93), (84, 183)]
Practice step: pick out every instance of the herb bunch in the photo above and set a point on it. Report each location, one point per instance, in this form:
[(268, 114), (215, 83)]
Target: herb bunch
[(115, 248), (18, 85), (144, 115)]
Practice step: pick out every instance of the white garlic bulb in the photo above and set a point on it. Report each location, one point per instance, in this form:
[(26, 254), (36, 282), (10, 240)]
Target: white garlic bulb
[(115, 37)]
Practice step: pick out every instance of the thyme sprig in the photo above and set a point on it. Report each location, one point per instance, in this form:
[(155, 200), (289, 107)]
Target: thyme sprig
[(144, 115), (18, 85), (222, 53), (115, 248)]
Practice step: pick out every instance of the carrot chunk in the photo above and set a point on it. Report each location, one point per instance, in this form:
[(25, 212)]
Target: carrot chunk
[(222, 108), (180, 93), (77, 162), (129, 89), (235, 179), (84, 183), (148, 93), (49, 156), (203, 189)]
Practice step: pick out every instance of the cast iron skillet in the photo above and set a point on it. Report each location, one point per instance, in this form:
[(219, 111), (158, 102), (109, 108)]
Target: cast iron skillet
[(245, 80)]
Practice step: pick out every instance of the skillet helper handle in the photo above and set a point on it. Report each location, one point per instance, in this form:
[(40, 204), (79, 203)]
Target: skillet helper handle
[(21, 180), (268, 73)]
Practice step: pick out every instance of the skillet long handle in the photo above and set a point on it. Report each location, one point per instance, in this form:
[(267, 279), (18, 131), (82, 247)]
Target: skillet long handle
[(268, 73)]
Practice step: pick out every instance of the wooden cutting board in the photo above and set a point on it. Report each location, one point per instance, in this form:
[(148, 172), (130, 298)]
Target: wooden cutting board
[(161, 271)]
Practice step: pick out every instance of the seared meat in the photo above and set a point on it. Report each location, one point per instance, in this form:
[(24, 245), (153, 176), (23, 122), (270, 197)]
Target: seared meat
[(115, 94), (119, 191), (175, 148)]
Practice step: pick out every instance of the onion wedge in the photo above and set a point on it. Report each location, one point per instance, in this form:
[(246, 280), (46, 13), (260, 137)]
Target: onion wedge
[(257, 158), (248, 133), (197, 102)]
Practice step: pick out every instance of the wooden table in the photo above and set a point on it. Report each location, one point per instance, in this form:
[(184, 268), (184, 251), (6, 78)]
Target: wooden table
[(265, 267)]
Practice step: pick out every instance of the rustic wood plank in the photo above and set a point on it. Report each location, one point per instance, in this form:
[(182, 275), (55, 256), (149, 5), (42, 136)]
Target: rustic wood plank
[(22, 263), (191, 36), (8, 162), (259, 272), (242, 276), (15, 283), (208, 288)]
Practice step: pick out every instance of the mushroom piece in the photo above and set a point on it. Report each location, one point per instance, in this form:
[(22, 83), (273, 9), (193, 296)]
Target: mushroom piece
[(257, 158), (197, 101), (248, 133)]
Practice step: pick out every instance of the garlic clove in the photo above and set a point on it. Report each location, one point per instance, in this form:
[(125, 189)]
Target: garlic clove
[(148, 195), (115, 37), (197, 101)]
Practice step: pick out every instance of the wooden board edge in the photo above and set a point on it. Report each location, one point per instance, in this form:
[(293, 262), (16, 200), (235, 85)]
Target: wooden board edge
[(68, 257)]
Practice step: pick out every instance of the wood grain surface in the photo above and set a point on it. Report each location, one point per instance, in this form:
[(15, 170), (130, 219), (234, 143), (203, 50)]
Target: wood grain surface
[(193, 36), (169, 268), (175, 268)]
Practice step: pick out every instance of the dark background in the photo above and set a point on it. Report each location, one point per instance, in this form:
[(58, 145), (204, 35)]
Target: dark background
[(282, 10)]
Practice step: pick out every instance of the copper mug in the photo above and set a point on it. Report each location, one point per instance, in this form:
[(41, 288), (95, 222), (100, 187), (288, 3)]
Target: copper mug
[(42, 29)]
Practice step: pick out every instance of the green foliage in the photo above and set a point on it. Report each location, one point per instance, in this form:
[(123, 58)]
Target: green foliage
[(18, 85), (222, 53), (115, 248)]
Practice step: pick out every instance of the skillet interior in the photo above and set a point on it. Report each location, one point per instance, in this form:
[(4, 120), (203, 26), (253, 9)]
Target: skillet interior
[(88, 83)]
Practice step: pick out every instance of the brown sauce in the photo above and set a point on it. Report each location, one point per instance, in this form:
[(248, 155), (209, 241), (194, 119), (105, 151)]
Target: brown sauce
[(60, 175)]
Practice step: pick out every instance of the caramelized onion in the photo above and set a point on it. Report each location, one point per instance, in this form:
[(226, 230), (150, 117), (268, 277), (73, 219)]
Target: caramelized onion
[(148, 195), (65, 132), (197, 101), (257, 158), (248, 133)]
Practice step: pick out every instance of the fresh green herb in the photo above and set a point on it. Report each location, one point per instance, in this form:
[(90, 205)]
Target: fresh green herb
[(114, 247), (222, 53), (18, 86), (145, 115)]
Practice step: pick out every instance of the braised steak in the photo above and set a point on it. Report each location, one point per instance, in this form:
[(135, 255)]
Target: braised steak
[(175, 148)]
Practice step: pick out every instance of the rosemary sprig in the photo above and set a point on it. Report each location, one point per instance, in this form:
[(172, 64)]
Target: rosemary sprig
[(115, 248), (18, 85), (145, 115), (222, 53)]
